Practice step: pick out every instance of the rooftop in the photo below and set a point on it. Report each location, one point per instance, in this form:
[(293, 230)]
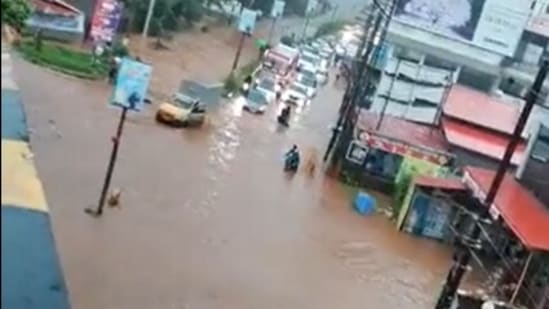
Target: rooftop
[(525, 215), (481, 109), (55, 7), (403, 130), (486, 142)]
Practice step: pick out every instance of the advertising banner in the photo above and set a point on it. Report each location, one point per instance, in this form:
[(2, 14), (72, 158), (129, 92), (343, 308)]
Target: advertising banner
[(247, 21), (278, 8), (132, 84), (105, 20), (495, 25)]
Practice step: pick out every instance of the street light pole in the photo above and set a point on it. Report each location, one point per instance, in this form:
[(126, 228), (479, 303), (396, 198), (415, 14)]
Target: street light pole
[(307, 20), (238, 51), (357, 70), (150, 12), (457, 271)]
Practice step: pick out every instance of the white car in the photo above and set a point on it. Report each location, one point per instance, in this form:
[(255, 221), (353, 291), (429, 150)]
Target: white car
[(296, 94), (256, 102), (310, 84), (310, 78), (308, 59), (269, 88)]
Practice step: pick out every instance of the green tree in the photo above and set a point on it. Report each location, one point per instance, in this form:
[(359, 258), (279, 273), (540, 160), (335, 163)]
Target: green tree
[(168, 15), (15, 13)]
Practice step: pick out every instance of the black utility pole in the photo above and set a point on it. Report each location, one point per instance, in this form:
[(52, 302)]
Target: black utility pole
[(463, 257), (238, 51), (114, 153), (351, 96), (355, 74)]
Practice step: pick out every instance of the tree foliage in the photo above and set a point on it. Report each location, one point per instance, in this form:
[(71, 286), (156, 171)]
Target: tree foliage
[(168, 15), (15, 13)]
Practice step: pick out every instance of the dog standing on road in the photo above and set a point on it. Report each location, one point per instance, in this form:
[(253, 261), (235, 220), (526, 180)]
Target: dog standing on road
[(311, 161)]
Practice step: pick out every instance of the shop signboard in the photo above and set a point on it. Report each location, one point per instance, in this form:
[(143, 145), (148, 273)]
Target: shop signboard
[(402, 148), (357, 153), (105, 20), (381, 56), (494, 25)]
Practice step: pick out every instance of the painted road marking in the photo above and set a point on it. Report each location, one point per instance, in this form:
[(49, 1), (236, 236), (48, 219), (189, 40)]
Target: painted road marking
[(20, 183)]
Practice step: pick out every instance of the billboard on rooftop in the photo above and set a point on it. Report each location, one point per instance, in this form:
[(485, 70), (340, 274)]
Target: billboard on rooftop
[(494, 25)]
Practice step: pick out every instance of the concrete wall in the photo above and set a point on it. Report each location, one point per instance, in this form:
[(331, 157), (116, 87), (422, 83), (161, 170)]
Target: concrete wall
[(460, 53), (31, 273)]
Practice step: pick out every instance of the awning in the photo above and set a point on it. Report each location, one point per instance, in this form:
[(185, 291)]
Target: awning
[(480, 140), (526, 216)]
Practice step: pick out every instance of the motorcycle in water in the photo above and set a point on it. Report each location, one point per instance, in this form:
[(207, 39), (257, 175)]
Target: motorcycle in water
[(291, 162)]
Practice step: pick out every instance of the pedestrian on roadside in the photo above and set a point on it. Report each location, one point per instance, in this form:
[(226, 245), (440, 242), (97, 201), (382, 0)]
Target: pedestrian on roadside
[(113, 70)]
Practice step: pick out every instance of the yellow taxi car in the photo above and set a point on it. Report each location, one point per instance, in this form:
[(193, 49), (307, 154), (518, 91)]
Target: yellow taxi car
[(182, 111)]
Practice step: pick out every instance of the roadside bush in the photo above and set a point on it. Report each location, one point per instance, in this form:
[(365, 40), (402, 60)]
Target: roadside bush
[(231, 83), (234, 81), (63, 59), (328, 28), (15, 13)]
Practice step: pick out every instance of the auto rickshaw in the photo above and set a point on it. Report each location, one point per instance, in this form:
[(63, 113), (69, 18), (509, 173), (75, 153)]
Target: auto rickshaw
[(183, 111)]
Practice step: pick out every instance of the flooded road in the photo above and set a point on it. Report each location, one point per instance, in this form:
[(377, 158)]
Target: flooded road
[(208, 218)]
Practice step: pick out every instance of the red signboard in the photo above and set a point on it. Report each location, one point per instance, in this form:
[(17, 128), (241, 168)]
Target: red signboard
[(402, 148)]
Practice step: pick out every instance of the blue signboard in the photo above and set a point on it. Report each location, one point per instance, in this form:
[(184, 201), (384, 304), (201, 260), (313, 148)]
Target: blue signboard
[(381, 55), (131, 85), (247, 21)]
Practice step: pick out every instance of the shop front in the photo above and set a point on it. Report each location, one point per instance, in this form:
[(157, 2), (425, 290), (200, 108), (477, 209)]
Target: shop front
[(379, 159)]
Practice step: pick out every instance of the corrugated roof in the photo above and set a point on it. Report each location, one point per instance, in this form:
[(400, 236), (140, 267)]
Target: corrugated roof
[(55, 7), (481, 109), (440, 183), (479, 140), (403, 130), (525, 215)]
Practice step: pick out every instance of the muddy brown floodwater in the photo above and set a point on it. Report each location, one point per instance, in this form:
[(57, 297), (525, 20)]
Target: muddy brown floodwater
[(208, 219)]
